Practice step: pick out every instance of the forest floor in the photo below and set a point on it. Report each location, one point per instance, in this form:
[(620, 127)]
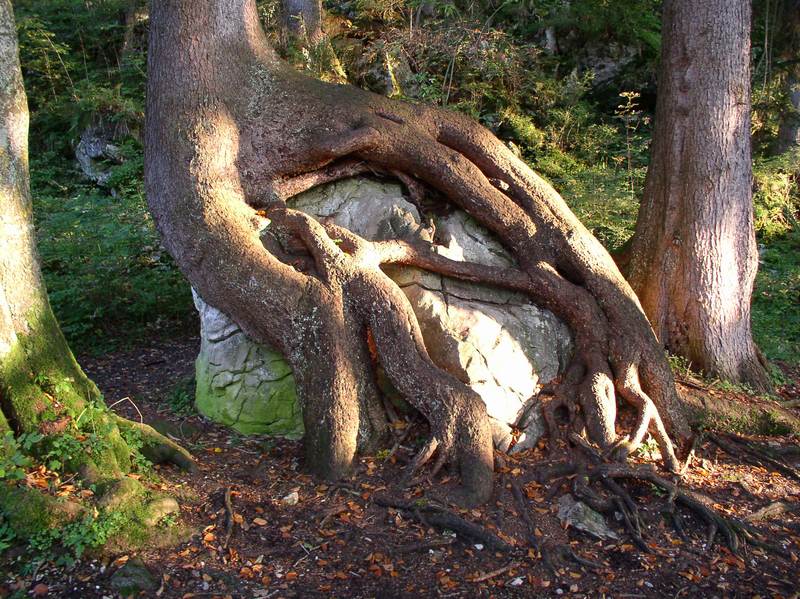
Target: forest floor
[(292, 536)]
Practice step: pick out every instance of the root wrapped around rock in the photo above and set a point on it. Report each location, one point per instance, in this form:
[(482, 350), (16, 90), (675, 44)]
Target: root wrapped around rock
[(223, 156)]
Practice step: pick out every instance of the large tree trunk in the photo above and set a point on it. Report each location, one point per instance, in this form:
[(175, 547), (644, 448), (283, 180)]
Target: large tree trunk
[(694, 256), (232, 133), (33, 351), (42, 388)]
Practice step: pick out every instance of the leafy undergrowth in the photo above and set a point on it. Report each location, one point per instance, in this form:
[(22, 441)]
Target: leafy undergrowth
[(109, 280), (291, 536), (776, 317)]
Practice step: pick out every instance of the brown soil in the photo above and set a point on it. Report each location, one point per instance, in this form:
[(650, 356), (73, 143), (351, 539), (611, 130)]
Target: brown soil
[(337, 541)]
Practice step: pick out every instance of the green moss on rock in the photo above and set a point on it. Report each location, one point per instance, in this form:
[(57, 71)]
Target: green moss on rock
[(30, 512), (266, 405)]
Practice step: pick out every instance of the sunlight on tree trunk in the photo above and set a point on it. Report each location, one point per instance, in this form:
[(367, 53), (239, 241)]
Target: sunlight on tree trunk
[(44, 394), (693, 259)]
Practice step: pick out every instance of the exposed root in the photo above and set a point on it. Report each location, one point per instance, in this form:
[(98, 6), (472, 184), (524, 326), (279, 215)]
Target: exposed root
[(553, 554), (733, 531), (242, 149), (424, 546), (156, 447), (747, 450), (434, 515), (649, 420), (773, 510), (292, 186)]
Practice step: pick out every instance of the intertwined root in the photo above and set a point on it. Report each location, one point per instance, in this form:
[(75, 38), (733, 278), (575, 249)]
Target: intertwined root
[(457, 416), (560, 266)]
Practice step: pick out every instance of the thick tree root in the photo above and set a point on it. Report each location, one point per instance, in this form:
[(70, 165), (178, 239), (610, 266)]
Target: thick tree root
[(734, 532), (588, 389), (554, 555), (156, 447), (742, 448)]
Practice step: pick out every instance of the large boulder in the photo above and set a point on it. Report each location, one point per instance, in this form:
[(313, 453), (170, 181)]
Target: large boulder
[(243, 384), (496, 341)]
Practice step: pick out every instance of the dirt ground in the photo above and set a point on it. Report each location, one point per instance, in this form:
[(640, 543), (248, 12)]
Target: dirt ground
[(287, 535)]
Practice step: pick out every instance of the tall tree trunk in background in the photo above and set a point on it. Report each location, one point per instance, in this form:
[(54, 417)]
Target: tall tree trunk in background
[(134, 14), (303, 22), (789, 132), (694, 256)]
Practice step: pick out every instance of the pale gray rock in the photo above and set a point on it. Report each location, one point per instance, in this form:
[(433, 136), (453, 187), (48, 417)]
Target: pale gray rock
[(97, 147), (242, 384), (579, 515), (496, 341)]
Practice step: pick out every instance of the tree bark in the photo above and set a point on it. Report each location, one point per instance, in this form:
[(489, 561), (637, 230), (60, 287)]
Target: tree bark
[(303, 20), (232, 132), (789, 131), (307, 43), (31, 342), (693, 258)]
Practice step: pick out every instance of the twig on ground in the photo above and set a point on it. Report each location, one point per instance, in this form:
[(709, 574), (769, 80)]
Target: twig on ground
[(230, 517), (494, 573), (424, 546)]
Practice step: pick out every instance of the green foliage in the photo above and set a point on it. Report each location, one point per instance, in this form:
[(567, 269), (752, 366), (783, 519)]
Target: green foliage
[(74, 67), (133, 439), (634, 22), (7, 534), (776, 318), (180, 398), (65, 545), (13, 462), (108, 277), (110, 282), (86, 436), (776, 200), (680, 366)]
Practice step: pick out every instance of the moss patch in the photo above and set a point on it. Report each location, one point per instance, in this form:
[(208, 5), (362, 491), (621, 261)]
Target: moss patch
[(271, 407), (39, 375)]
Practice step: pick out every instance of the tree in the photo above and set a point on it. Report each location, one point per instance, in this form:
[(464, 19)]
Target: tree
[(307, 41), (789, 132), (232, 132), (693, 258), (303, 20), (44, 394)]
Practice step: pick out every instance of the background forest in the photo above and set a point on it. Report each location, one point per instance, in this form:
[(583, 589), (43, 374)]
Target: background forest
[(570, 86)]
